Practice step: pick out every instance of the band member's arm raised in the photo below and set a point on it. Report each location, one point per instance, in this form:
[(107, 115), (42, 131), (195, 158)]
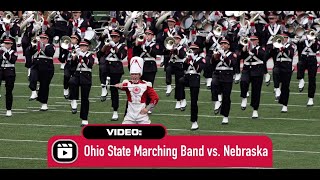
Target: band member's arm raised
[(121, 53)]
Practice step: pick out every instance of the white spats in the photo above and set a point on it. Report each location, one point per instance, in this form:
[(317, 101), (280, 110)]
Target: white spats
[(9, 113), (244, 103), (115, 116), (33, 96), (284, 109), (44, 107), (194, 126), (310, 102), (225, 120), (301, 85), (169, 89), (255, 114)]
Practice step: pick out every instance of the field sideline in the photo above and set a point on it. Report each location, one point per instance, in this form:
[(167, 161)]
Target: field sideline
[(24, 136)]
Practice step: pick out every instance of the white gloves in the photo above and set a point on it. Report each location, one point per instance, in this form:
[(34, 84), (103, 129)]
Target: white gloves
[(209, 36), (112, 44), (105, 31)]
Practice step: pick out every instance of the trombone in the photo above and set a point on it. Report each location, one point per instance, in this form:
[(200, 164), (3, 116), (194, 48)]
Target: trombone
[(244, 40)]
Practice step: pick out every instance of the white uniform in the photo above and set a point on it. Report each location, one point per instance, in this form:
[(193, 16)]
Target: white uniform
[(137, 95)]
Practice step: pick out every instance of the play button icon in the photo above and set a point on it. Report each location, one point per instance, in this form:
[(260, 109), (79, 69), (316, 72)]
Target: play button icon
[(64, 151)]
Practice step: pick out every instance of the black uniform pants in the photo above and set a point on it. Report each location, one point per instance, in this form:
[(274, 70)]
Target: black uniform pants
[(177, 70), (45, 77), (308, 63), (34, 77), (225, 88), (74, 85), (114, 79), (285, 78), (102, 70), (67, 75), (208, 69), (9, 84), (194, 94), (256, 86)]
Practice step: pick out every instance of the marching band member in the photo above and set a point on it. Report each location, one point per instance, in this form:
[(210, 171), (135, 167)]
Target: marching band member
[(138, 91), (60, 25), (270, 30), (308, 61), (42, 69), (167, 31), (83, 61), (222, 79), (8, 58), (193, 65), (174, 61), (149, 53), (252, 73), (283, 70), (68, 70), (114, 53)]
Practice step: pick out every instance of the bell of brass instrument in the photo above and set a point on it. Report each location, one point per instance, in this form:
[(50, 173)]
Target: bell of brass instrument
[(65, 42), (169, 43), (278, 41), (74, 53), (7, 17), (140, 38), (311, 34), (244, 40), (217, 30), (35, 40)]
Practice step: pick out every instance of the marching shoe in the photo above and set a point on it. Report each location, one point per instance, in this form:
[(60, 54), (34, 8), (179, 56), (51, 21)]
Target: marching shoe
[(277, 94), (237, 78), (284, 109), (178, 105), (301, 85), (66, 93), (217, 106), (183, 104), (149, 112), (84, 123), (194, 126), (9, 113), (104, 93), (74, 105), (310, 102), (44, 107), (33, 96), (29, 71), (248, 94), (209, 80), (255, 114), (244, 103), (169, 89), (115, 116), (267, 79), (225, 120)]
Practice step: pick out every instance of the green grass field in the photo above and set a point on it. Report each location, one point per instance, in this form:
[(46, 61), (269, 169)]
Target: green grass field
[(24, 136)]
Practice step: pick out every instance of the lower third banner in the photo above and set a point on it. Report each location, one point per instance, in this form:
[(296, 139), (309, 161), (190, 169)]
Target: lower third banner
[(170, 151)]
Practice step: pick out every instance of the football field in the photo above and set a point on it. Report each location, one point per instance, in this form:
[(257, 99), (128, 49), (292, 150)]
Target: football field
[(295, 135)]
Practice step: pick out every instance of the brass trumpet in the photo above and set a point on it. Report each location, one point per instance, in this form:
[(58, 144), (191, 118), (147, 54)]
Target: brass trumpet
[(7, 17), (140, 38), (169, 43), (217, 30), (35, 40), (278, 41), (311, 34), (65, 42), (244, 40), (73, 53)]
